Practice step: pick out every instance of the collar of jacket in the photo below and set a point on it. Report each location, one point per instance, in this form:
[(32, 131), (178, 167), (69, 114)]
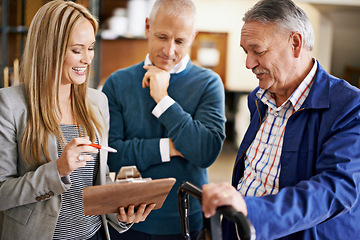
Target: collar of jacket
[(318, 97)]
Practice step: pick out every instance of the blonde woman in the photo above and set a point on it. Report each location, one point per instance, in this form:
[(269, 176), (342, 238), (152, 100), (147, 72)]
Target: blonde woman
[(46, 124)]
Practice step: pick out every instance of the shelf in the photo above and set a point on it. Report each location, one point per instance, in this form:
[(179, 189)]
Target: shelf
[(100, 31), (18, 29), (12, 31)]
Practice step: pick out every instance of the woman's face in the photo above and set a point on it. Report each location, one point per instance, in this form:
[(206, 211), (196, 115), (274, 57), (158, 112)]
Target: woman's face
[(79, 54)]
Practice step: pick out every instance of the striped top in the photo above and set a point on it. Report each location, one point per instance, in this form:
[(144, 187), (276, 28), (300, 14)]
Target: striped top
[(72, 223), (262, 159)]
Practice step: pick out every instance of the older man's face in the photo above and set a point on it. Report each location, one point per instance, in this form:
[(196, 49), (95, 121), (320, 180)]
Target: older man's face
[(269, 55)]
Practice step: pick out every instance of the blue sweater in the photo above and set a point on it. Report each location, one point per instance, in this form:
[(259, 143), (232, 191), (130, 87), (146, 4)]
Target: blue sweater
[(195, 123), (320, 167)]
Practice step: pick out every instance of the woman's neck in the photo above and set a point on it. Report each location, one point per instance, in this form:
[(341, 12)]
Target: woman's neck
[(67, 114)]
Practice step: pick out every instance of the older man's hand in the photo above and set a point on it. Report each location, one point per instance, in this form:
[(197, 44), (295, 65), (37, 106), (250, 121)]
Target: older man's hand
[(223, 194)]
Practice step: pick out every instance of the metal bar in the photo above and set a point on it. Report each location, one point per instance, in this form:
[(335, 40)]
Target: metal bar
[(183, 207), (4, 39), (212, 226), (94, 8), (23, 33)]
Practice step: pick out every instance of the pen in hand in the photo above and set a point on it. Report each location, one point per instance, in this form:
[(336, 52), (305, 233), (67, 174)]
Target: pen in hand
[(109, 149)]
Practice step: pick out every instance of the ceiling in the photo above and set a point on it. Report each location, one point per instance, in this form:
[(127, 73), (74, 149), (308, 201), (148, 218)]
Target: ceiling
[(341, 15), (341, 12), (334, 2)]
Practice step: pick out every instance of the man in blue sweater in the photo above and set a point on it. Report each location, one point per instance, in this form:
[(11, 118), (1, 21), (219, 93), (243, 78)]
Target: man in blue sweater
[(166, 117), (297, 173)]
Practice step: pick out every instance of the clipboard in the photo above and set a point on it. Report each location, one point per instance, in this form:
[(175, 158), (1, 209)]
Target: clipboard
[(106, 199)]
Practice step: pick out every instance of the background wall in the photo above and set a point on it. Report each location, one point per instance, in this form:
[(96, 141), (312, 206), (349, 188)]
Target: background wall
[(210, 18), (346, 48)]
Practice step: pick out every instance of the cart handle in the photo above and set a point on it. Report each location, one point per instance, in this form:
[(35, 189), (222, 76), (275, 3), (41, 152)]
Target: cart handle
[(245, 229)]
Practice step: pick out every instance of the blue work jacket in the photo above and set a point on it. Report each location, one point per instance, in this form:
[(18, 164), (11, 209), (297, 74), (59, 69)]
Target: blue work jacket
[(320, 167)]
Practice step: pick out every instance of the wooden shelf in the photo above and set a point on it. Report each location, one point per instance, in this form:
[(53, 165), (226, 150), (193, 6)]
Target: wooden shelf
[(217, 41)]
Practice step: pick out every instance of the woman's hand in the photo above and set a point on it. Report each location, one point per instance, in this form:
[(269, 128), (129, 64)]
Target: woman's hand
[(134, 217), (72, 158)]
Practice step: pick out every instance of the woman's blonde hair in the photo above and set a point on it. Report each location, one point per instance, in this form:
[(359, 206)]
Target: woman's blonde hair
[(41, 71)]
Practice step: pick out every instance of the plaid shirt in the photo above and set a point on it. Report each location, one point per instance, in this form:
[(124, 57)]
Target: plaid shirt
[(262, 159)]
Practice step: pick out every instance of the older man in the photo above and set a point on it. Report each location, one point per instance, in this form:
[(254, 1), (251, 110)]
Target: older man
[(166, 116), (297, 173)]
